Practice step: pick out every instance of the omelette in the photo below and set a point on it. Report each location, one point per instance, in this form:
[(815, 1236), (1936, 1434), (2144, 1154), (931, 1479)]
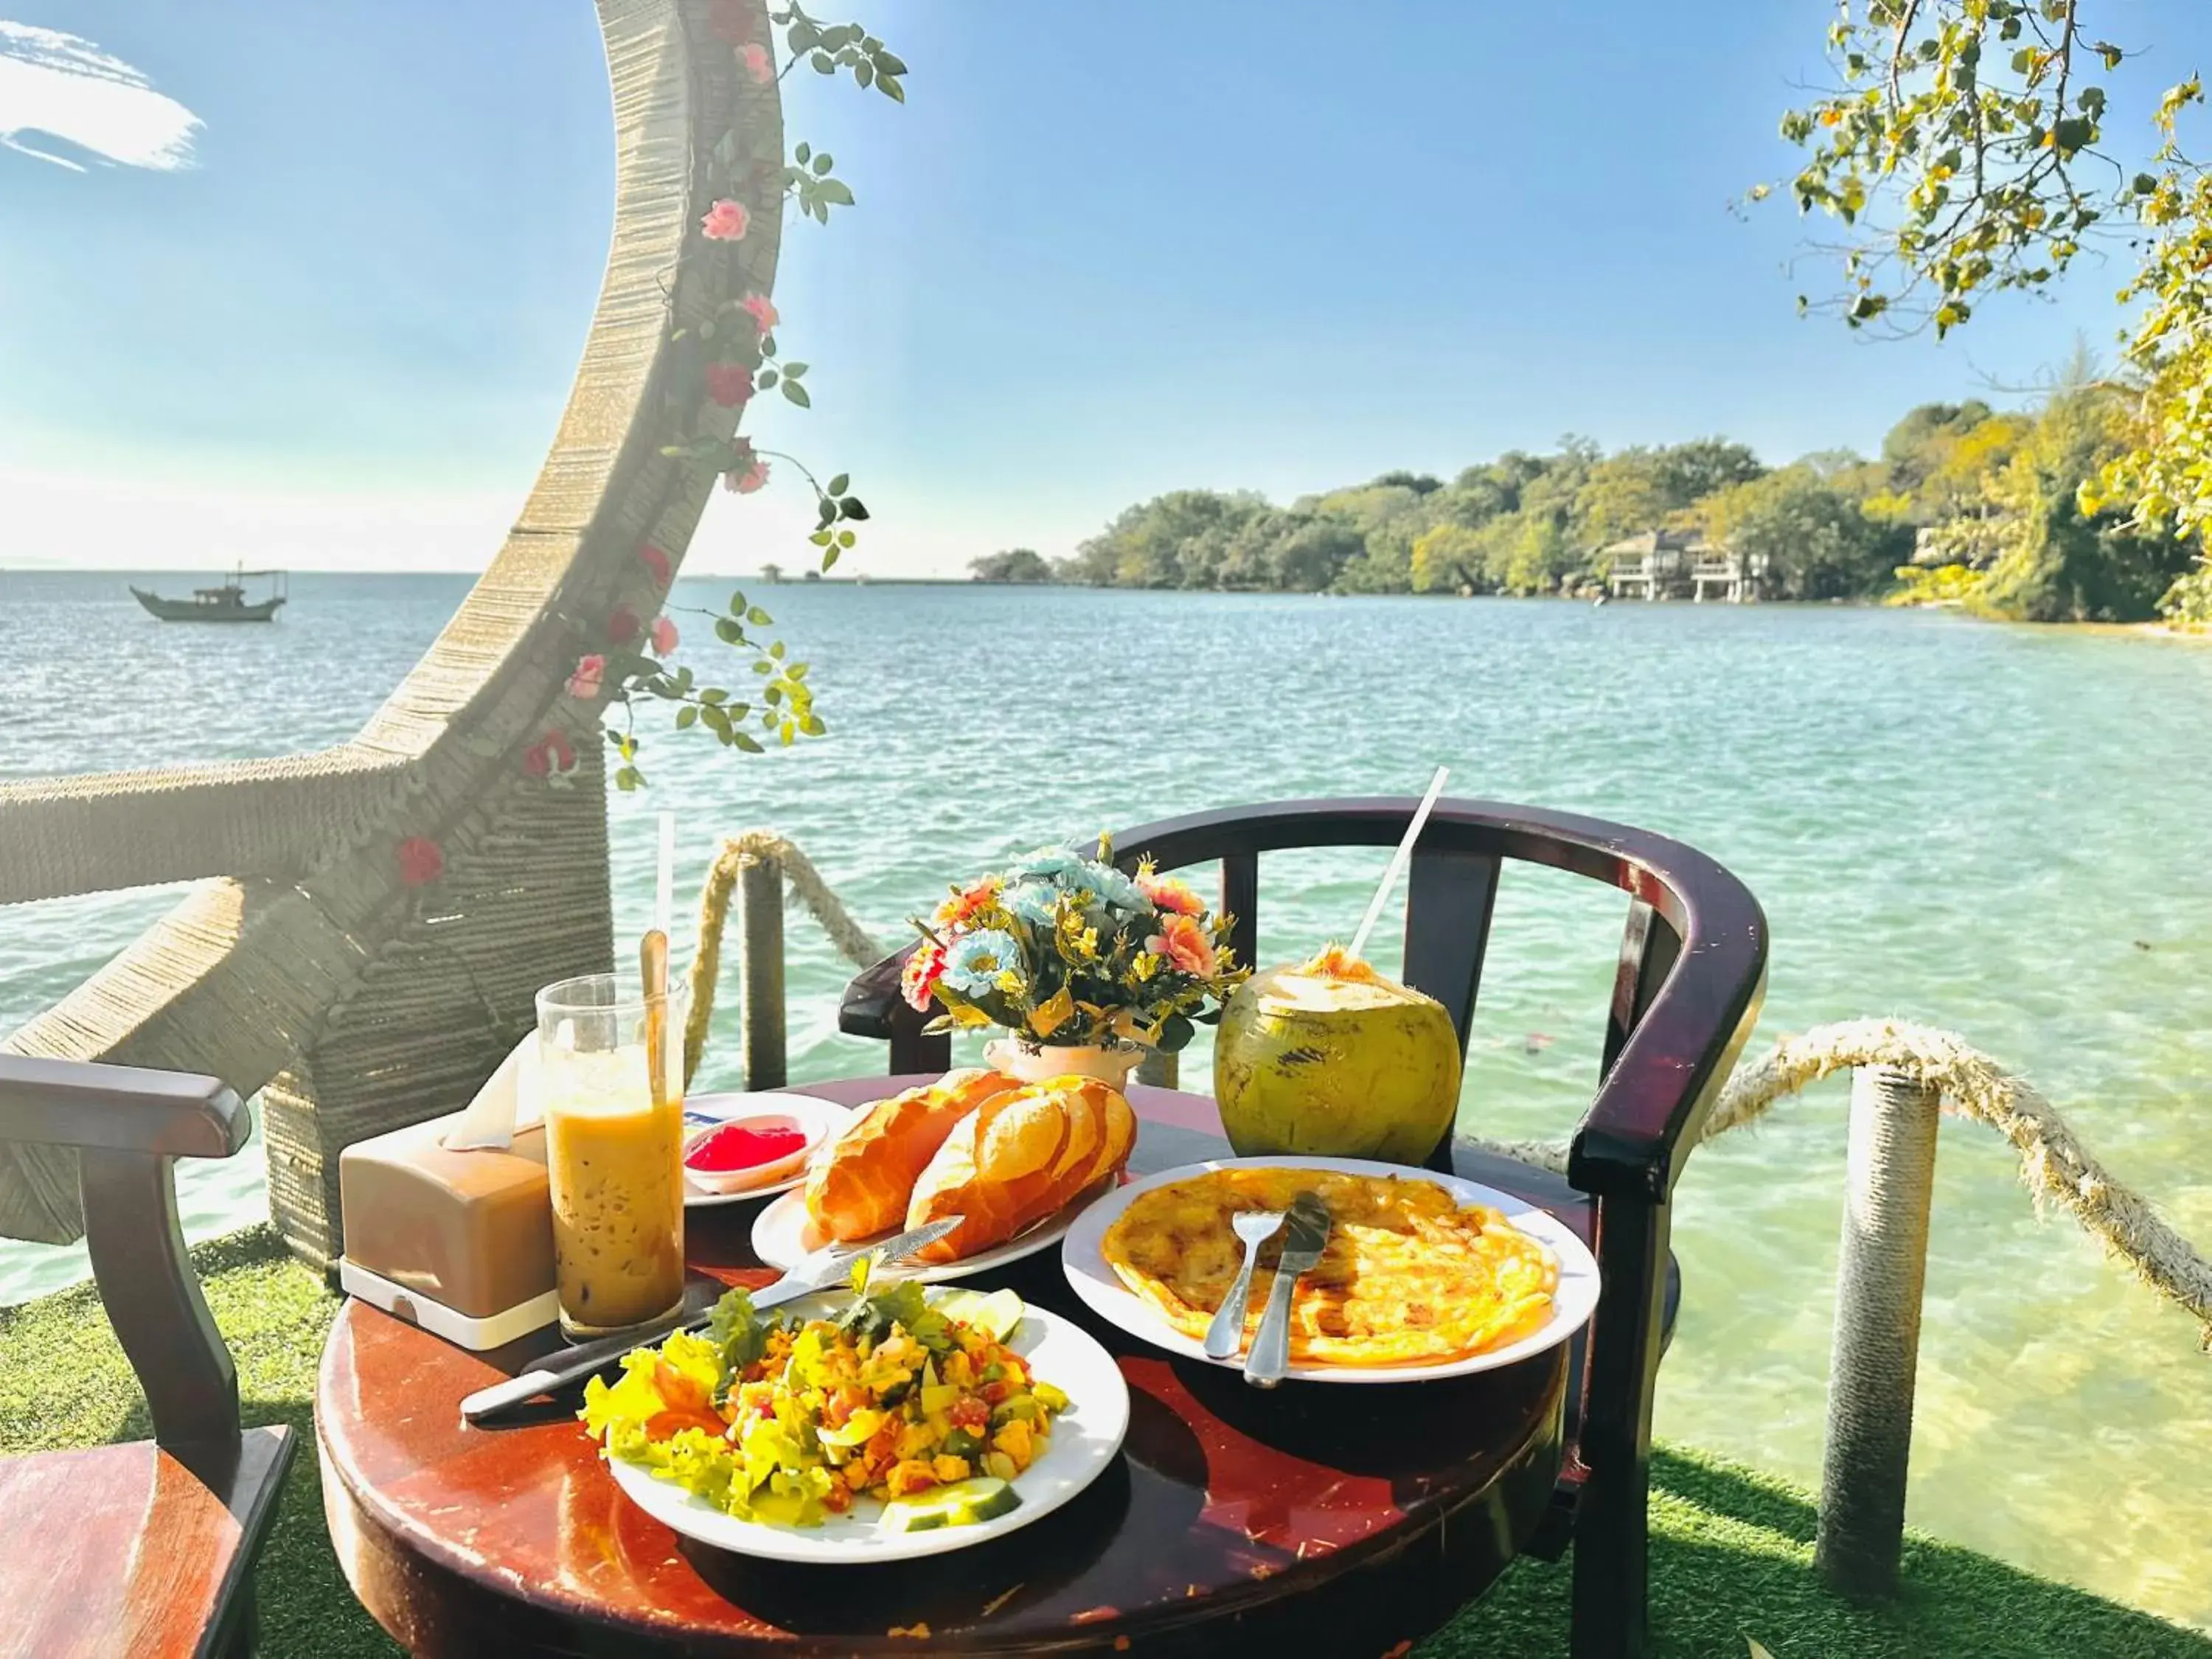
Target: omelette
[(1410, 1276)]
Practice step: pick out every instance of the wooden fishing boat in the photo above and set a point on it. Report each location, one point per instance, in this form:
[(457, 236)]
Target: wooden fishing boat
[(224, 603)]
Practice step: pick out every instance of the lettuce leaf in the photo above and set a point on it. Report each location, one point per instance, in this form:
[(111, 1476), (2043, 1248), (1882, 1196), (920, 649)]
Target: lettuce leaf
[(739, 1336)]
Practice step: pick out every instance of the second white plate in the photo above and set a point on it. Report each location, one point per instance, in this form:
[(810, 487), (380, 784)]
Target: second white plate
[(1094, 1279), (780, 1238)]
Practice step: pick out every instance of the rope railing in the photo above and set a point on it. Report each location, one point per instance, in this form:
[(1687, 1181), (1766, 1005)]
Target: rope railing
[(1903, 1077), (757, 868)]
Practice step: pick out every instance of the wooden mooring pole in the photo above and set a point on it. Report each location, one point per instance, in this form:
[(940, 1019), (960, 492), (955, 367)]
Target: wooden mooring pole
[(1890, 1182), (760, 970)]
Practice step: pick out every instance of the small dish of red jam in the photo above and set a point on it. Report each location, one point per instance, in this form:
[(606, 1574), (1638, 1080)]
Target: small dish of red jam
[(739, 1154)]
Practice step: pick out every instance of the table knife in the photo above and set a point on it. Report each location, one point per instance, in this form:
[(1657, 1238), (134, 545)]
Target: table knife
[(1301, 1248), (821, 1270)]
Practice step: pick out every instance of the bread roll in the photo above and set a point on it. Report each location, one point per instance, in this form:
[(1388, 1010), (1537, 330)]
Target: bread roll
[(859, 1182), (1078, 1165), (991, 1171), (1120, 1135)]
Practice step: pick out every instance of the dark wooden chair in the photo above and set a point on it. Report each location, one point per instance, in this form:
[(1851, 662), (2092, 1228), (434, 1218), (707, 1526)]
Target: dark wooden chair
[(1691, 975), (145, 1549)]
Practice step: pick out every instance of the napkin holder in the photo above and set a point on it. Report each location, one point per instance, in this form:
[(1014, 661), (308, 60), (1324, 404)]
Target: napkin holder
[(449, 1223)]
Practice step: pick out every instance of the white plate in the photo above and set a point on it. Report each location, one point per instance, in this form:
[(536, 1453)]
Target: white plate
[(1103, 1291), (1085, 1439), (780, 1238), (820, 1119)]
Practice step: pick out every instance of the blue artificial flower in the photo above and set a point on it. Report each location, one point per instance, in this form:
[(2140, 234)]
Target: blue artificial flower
[(1046, 864), (1103, 882), (1031, 901), (973, 965)]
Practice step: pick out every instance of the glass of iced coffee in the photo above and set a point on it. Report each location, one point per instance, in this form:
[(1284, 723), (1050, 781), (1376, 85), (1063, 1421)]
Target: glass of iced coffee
[(614, 1153)]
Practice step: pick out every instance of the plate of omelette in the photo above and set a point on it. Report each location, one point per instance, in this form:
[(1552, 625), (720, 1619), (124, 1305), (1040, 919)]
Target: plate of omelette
[(1425, 1275)]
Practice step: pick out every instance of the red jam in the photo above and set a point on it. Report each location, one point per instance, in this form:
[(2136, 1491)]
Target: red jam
[(747, 1144)]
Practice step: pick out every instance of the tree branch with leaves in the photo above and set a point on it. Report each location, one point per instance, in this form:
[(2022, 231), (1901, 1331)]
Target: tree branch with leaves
[(1965, 146)]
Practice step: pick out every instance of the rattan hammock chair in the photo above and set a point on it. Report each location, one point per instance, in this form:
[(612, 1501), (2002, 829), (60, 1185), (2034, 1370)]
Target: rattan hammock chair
[(304, 964)]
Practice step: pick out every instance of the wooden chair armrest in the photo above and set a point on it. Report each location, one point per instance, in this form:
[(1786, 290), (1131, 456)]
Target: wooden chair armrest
[(123, 1108), (1646, 1118), (871, 999)]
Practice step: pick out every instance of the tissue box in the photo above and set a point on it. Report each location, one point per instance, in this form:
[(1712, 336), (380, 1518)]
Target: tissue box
[(458, 1242)]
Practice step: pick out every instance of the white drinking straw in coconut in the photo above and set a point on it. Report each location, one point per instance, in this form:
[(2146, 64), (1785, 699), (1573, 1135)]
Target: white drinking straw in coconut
[(1398, 860)]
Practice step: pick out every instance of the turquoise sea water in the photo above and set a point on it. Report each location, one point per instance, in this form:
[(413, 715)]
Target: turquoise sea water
[(2002, 831)]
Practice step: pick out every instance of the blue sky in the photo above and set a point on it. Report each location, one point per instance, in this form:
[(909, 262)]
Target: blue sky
[(1101, 252)]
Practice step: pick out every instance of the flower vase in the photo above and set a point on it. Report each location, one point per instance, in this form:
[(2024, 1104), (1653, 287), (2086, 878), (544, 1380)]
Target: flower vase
[(1035, 1065)]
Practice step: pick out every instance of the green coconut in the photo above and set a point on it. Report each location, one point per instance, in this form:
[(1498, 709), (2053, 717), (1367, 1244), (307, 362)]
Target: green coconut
[(1328, 1059)]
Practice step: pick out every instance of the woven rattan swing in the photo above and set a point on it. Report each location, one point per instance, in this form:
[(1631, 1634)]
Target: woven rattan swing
[(303, 963)]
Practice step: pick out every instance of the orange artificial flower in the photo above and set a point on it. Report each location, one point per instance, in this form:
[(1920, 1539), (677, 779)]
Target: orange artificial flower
[(1168, 894), (968, 902), (1184, 943)]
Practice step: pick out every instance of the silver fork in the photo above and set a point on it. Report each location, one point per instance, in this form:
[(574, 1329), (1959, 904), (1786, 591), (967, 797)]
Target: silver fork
[(1225, 1338)]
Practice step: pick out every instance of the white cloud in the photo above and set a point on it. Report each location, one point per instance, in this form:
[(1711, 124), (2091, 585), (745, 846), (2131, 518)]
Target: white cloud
[(66, 87)]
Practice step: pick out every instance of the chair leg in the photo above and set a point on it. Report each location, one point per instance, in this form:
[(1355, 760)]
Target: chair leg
[(1612, 1533), (242, 1625)]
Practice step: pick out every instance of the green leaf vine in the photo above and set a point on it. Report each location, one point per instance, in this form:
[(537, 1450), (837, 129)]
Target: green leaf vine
[(737, 358)]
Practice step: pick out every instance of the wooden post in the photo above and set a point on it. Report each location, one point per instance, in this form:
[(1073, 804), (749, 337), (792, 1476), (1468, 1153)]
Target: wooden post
[(1877, 1342), (760, 971)]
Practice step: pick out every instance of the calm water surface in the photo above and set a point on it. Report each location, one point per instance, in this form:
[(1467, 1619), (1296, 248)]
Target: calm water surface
[(2001, 831)]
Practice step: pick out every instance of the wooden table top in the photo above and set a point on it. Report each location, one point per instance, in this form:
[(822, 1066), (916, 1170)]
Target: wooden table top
[(1235, 1519)]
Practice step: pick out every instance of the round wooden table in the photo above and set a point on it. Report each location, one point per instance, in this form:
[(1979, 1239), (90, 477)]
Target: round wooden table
[(1316, 1519)]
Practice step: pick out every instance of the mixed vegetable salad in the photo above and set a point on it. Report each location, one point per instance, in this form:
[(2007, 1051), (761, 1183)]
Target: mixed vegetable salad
[(912, 1400)]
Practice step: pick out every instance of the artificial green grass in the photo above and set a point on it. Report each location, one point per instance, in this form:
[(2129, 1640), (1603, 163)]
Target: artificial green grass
[(1731, 1550)]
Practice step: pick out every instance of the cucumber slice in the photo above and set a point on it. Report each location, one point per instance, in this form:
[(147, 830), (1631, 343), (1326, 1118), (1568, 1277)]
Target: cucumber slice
[(998, 1315), (963, 1504)]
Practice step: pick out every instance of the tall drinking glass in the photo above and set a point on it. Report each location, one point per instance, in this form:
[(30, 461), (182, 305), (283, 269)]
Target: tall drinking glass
[(615, 1157)]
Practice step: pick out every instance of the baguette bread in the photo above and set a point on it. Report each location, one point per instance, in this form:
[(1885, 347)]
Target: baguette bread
[(1024, 1156), (859, 1184)]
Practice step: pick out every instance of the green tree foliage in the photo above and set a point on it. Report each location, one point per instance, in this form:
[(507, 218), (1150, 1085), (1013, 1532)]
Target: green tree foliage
[(1991, 490), (1016, 564), (2054, 559), (1966, 151), (1812, 539)]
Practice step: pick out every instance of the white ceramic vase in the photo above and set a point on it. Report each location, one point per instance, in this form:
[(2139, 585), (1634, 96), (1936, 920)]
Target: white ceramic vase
[(1111, 1065)]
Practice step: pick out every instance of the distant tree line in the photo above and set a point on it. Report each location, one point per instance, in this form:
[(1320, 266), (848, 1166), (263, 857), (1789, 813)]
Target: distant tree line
[(1965, 504)]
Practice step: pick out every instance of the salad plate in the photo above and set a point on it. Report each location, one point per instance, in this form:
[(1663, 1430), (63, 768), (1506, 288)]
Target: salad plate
[(1086, 1436), (817, 1119), (1093, 1277)]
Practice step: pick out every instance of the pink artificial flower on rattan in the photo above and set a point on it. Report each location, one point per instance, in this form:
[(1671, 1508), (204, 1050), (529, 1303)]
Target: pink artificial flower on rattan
[(729, 384), (663, 635), (551, 753), (421, 862), (755, 60), (1168, 894), (762, 310), (622, 627), (922, 971), (746, 480), (655, 561), (584, 683), (1184, 943), (964, 904), (726, 221)]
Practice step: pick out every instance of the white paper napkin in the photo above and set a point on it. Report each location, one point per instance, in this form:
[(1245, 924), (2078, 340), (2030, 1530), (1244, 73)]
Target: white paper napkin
[(509, 1101)]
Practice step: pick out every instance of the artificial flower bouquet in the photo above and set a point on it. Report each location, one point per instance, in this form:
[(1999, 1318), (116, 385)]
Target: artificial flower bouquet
[(1068, 950)]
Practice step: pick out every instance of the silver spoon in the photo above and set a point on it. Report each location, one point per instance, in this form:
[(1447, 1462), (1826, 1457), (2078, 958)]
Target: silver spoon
[(1225, 1338)]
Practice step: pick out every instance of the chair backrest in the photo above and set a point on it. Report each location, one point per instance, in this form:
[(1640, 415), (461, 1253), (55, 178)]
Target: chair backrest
[(1685, 1012)]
